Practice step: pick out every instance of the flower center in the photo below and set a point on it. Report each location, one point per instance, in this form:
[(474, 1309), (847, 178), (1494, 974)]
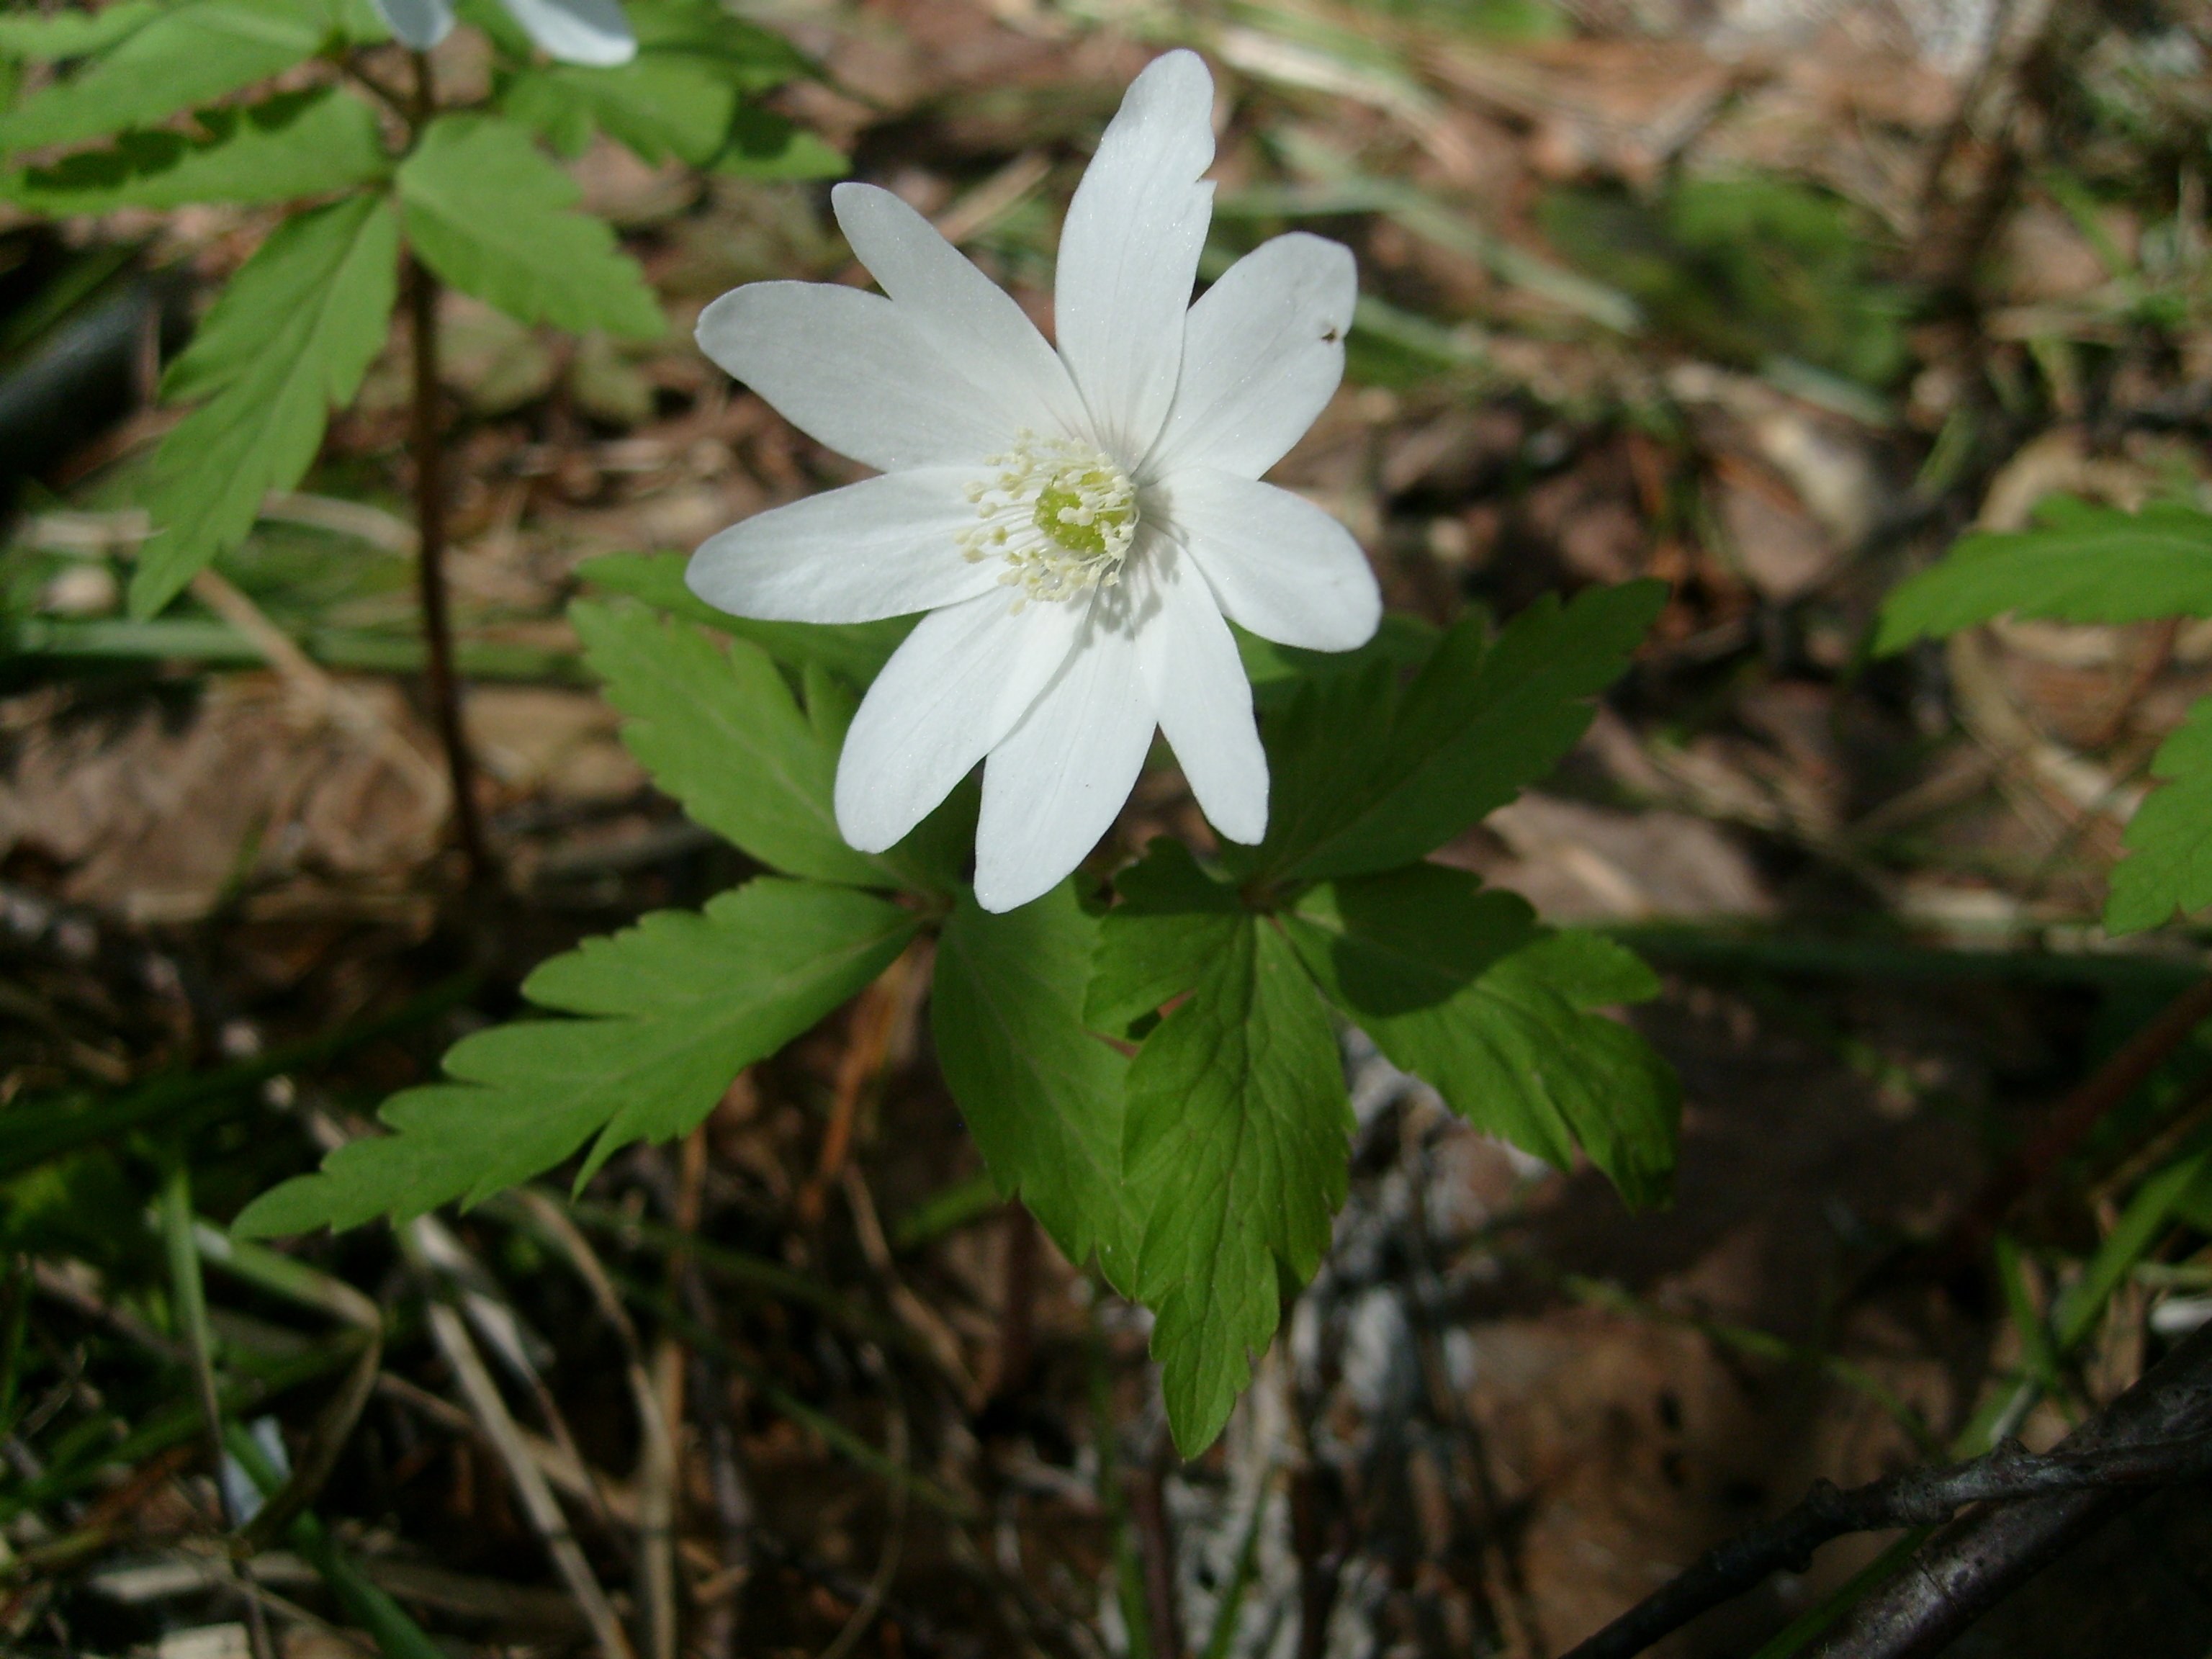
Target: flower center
[(1059, 513)]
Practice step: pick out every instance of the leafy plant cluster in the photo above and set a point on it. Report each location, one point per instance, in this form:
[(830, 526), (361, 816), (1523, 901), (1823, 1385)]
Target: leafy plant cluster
[(300, 106), (2081, 563), (1154, 1069)]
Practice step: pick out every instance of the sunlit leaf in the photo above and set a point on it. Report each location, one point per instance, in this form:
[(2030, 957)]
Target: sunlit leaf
[(1238, 1128), (289, 340), (1460, 987), (1041, 1093), (317, 142), (188, 54), (671, 1010), (494, 218), (2079, 564)]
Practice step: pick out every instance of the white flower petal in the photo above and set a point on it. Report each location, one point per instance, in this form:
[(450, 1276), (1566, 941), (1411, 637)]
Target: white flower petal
[(1263, 350), (419, 24), (884, 547), (1277, 563), (1128, 251), (1198, 685), (952, 691), (964, 312), (1056, 782), (854, 372), (591, 32)]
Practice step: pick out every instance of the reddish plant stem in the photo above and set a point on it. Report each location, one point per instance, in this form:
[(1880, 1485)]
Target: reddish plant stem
[(2073, 1118), (426, 440)]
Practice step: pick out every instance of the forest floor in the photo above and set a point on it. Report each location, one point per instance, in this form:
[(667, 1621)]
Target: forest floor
[(1770, 300)]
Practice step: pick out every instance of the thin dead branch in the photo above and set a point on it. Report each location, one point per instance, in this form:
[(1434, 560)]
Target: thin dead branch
[(1967, 1570), (2152, 1436), (499, 1428)]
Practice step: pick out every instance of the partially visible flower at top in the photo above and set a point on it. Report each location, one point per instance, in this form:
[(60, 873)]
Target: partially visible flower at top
[(1077, 523), (589, 32)]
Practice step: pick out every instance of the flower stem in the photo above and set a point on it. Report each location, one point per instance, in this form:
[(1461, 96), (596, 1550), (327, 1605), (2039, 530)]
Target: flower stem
[(427, 442)]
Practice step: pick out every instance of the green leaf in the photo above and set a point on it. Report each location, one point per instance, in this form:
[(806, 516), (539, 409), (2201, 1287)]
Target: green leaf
[(2169, 840), (1369, 777), (681, 96), (2079, 564), (30, 38), (1180, 913), (315, 142), (1459, 987), (673, 1009), (1238, 1133), (764, 145), (492, 216), (1041, 1093), (290, 339), (719, 729), (190, 54), (855, 651), (1278, 670)]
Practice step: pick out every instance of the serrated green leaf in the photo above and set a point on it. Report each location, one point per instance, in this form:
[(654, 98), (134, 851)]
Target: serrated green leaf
[(2079, 563), (1278, 670), (1460, 987), (2168, 868), (681, 96), (190, 54), (290, 339), (1368, 776), (856, 650), (315, 142), (492, 216), (1041, 1093), (1182, 911), (672, 1010), (30, 38), (719, 729), (1238, 1134)]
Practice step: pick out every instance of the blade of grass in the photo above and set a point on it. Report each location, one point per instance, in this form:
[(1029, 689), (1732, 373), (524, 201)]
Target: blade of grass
[(188, 1303), (396, 1635), (946, 1211)]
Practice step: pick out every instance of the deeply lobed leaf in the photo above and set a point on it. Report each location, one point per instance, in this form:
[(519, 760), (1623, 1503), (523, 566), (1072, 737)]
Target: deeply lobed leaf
[(185, 55), (719, 729), (492, 216), (1368, 776), (673, 1009), (682, 95), (1460, 986), (316, 142), (2079, 563), (1041, 1093), (289, 338), (1237, 1131), (2169, 840)]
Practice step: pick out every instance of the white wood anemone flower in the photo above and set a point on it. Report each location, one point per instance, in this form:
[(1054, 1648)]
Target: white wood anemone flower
[(589, 32), (1077, 523)]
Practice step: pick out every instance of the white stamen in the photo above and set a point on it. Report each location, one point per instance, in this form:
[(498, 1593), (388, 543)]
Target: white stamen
[(1060, 513)]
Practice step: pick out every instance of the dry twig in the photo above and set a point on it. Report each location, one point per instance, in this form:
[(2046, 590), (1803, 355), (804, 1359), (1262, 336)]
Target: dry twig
[(537, 1500)]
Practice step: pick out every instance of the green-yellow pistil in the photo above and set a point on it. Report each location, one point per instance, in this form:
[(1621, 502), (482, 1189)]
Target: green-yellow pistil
[(1060, 514)]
